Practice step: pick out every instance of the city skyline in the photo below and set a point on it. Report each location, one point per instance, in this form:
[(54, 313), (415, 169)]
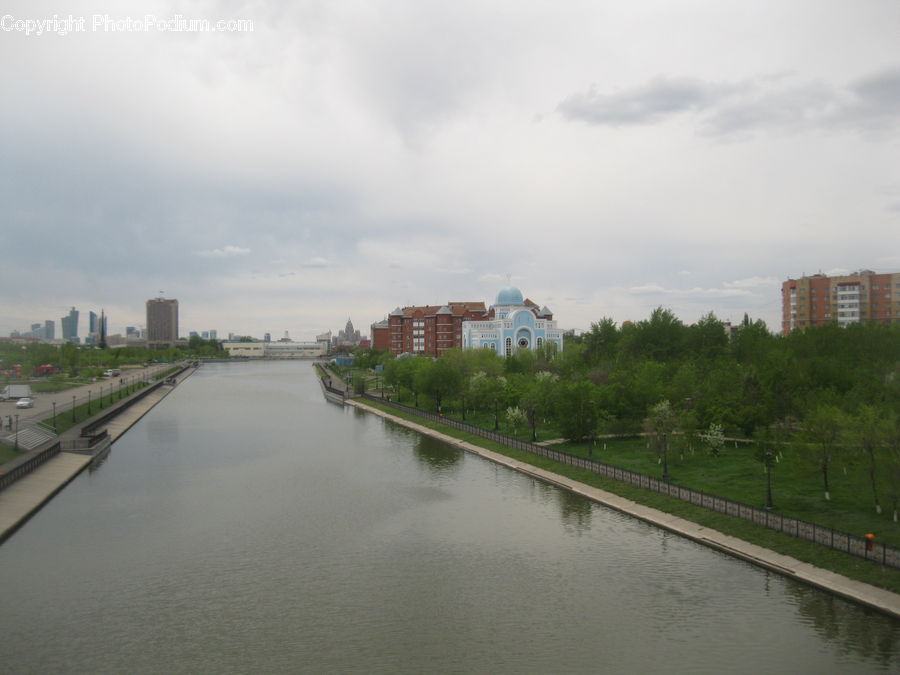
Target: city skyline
[(338, 160)]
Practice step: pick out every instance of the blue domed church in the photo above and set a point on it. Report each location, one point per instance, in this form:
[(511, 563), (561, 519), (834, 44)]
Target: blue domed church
[(513, 323)]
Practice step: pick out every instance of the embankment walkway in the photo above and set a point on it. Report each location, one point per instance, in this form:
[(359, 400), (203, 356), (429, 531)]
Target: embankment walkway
[(22, 499), (857, 591)]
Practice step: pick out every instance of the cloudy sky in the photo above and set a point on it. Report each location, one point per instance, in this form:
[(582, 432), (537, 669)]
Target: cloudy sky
[(346, 157)]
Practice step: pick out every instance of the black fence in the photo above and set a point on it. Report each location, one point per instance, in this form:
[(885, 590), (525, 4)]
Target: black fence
[(827, 536)]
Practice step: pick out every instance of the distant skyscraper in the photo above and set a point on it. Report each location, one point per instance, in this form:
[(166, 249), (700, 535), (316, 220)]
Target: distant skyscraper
[(267, 337), (162, 322), (92, 323), (213, 335), (49, 330), (70, 325)]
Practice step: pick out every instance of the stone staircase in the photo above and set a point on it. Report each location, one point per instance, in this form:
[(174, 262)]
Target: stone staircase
[(30, 435)]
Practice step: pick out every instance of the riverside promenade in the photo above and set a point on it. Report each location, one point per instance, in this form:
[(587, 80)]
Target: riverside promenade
[(22, 499), (877, 598)]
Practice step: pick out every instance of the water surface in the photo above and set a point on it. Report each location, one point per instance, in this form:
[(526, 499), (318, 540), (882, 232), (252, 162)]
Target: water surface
[(246, 525)]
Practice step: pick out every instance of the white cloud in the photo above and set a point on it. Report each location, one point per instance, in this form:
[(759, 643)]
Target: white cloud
[(316, 262), (224, 252), (753, 282)]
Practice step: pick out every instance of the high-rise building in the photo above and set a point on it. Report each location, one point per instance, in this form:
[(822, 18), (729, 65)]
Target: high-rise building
[(92, 323), (852, 298), (70, 325), (162, 322), (49, 330)]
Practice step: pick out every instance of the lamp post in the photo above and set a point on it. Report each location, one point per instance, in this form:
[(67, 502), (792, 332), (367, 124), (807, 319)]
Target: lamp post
[(89, 402), (769, 458), (666, 457), (16, 432), (73, 409), (54, 416)]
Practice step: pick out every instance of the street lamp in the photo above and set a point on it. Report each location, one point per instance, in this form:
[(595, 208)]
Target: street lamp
[(54, 416), (73, 409), (769, 457), (89, 402), (666, 457), (16, 432)]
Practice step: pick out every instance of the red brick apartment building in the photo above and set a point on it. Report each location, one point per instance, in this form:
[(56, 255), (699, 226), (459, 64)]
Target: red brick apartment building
[(429, 330), (820, 299)]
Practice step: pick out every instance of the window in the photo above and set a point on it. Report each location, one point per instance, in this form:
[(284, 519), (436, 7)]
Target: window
[(508, 346)]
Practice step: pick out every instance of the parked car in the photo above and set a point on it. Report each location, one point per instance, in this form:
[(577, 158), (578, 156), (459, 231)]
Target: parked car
[(25, 403)]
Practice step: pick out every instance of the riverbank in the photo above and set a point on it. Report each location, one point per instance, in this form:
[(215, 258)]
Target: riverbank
[(877, 598), (21, 500)]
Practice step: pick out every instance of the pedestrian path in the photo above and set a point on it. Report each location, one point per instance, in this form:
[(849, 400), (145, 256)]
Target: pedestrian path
[(857, 591)]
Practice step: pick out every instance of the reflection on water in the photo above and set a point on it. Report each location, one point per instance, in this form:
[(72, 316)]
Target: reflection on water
[(439, 457), (856, 629), (576, 511), (246, 525)]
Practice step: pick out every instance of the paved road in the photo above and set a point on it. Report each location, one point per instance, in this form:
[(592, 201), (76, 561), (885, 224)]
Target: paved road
[(43, 402)]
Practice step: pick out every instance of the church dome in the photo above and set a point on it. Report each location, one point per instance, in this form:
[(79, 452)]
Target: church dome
[(510, 295)]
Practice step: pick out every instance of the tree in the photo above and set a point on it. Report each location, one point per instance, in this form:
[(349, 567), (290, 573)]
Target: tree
[(578, 409), (823, 427), (715, 439), (892, 464), (600, 342), (537, 398), (659, 425), (868, 430), (487, 392), (514, 417), (707, 338), (439, 379), (661, 338)]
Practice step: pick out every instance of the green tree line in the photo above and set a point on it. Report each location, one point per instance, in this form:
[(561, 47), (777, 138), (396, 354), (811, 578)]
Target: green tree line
[(834, 391)]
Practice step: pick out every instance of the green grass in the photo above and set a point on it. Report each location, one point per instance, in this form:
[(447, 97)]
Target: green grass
[(820, 556), (7, 453), (797, 484), (50, 386), (65, 420)]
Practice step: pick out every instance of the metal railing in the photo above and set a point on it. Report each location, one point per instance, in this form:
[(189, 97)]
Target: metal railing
[(795, 527)]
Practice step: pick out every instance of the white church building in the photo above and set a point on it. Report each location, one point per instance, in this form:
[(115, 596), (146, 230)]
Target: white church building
[(516, 324)]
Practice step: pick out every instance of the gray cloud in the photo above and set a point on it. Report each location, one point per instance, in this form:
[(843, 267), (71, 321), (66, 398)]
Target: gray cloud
[(661, 98), (777, 104)]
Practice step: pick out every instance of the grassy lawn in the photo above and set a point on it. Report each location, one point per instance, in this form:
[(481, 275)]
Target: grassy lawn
[(797, 485), (65, 420), (50, 386), (842, 563), (7, 453)]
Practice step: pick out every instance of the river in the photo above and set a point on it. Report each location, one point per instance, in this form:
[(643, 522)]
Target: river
[(245, 525)]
